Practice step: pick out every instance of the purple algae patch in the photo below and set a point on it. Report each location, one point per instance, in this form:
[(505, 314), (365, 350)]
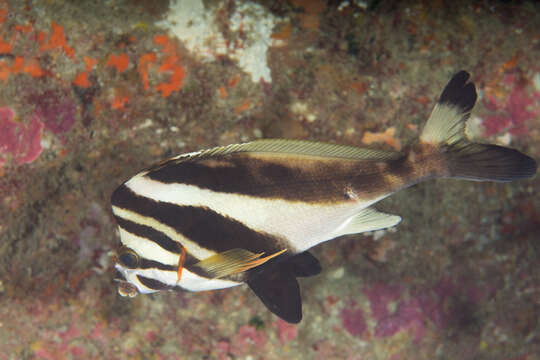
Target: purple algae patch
[(408, 314), (380, 295), (353, 321), (22, 141), (8, 130), (495, 124), (411, 312), (432, 307), (57, 110), (440, 304), (517, 108), (513, 113)]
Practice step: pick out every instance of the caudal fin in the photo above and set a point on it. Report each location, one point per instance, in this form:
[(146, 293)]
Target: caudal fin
[(445, 130), (484, 162)]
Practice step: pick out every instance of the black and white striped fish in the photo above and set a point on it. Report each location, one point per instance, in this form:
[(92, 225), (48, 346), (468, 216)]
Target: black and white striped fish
[(249, 213)]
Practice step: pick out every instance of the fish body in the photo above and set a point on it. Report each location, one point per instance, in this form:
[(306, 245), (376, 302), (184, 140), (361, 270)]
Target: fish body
[(249, 213)]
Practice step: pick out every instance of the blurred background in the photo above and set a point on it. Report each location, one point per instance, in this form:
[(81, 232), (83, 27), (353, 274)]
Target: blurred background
[(91, 92)]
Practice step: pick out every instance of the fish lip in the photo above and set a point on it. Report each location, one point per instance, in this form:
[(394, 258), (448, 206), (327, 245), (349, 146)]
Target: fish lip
[(121, 270), (130, 278), (126, 274), (125, 286)]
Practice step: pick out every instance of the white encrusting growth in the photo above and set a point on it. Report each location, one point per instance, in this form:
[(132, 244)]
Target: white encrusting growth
[(254, 21), (196, 26)]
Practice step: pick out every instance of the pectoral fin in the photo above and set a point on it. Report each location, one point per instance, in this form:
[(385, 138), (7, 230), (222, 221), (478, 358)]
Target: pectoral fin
[(232, 262), (368, 220)]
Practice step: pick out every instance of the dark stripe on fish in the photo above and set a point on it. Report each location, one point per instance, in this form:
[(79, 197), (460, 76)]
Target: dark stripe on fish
[(163, 241), (409, 172), (152, 283), (151, 264), (203, 226), (146, 264), (190, 260), (149, 233), (293, 179)]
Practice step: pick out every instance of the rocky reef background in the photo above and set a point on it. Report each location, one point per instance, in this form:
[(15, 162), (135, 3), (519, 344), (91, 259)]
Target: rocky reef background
[(93, 91)]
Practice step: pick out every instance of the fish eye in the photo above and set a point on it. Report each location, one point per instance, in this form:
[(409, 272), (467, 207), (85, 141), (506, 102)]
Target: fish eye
[(128, 258)]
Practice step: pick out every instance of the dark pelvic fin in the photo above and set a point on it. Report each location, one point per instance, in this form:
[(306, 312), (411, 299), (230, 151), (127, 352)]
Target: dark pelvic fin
[(276, 285), (280, 293), (445, 133), (304, 265)]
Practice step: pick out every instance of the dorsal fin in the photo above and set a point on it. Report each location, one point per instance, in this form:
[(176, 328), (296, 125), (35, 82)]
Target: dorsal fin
[(297, 147)]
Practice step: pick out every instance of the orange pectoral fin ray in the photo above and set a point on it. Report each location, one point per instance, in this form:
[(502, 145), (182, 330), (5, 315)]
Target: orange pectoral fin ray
[(181, 261), (257, 262), (233, 261)]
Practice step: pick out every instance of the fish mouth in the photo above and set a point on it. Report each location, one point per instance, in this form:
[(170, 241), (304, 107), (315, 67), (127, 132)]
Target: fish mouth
[(125, 288)]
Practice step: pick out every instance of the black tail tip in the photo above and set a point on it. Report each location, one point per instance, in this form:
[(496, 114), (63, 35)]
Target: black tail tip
[(459, 92)]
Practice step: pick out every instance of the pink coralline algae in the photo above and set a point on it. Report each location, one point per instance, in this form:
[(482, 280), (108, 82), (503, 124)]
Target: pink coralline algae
[(512, 114), (22, 141), (380, 295), (415, 310), (412, 312), (408, 315), (286, 331), (59, 345), (246, 337)]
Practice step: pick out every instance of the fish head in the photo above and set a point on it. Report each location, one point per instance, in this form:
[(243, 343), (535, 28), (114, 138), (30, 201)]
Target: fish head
[(127, 263)]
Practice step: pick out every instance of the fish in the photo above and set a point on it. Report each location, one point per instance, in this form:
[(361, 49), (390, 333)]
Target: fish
[(249, 213)]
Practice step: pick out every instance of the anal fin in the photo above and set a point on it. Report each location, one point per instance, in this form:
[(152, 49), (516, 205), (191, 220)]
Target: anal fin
[(275, 284), (279, 291), (304, 265), (232, 262), (368, 219)]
